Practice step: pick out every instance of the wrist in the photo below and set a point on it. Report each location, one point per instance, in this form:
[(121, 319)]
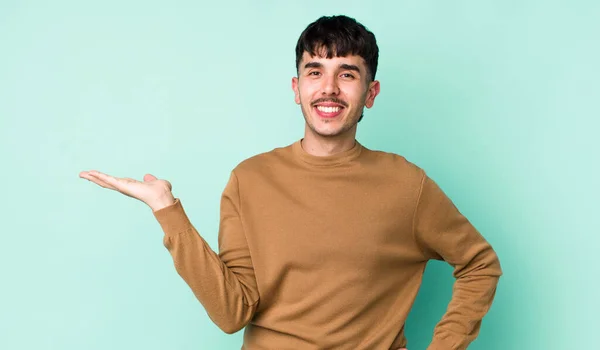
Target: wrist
[(162, 202)]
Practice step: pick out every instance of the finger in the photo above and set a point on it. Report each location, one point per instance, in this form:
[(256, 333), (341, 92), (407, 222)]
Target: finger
[(86, 175), (105, 185), (107, 179), (100, 179), (149, 177), (97, 181)]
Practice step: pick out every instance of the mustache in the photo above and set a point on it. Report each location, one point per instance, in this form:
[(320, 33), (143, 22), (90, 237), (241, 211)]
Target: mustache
[(330, 99)]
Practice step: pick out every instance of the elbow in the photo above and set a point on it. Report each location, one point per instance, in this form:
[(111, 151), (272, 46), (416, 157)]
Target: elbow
[(233, 326), (235, 320), (485, 264), (232, 313), (493, 267)]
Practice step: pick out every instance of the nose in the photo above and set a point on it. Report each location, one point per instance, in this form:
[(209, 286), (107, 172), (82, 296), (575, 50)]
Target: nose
[(330, 85)]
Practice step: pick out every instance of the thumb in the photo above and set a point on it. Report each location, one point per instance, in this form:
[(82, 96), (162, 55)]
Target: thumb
[(149, 177)]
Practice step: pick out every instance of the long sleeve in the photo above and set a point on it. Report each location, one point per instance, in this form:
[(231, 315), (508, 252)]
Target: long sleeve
[(445, 234), (224, 283)]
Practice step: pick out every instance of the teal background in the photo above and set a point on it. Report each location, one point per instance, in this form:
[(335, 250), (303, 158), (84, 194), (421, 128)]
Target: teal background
[(497, 100)]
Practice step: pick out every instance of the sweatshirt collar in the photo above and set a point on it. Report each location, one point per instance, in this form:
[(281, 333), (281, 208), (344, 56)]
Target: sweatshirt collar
[(331, 160)]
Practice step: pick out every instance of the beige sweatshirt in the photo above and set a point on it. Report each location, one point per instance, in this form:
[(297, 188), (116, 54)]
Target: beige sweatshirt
[(329, 252)]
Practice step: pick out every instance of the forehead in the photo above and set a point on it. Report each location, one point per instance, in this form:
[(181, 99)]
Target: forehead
[(331, 62)]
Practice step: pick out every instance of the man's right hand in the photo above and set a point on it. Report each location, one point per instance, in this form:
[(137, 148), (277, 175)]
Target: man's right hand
[(154, 192)]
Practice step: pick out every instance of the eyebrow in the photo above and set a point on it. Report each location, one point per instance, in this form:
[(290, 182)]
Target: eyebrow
[(342, 66)]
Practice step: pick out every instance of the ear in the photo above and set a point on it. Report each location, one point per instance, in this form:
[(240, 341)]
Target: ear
[(295, 88), (373, 91)]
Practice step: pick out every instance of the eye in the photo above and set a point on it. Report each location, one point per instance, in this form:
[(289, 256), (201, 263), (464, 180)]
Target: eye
[(348, 75), (314, 73)]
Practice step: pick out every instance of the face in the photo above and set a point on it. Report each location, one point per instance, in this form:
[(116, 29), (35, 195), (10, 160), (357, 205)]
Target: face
[(333, 93)]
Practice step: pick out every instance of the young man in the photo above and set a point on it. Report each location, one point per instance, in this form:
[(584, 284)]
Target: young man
[(323, 243)]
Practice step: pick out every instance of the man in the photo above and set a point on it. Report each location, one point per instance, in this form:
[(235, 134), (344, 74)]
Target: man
[(323, 243)]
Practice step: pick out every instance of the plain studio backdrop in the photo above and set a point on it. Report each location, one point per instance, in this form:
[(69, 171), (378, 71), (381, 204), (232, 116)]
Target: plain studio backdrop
[(497, 100)]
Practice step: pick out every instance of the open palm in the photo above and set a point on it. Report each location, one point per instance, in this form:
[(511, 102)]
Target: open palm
[(151, 190)]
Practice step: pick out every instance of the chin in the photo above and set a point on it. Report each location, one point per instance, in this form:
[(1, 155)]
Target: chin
[(328, 128), (327, 131)]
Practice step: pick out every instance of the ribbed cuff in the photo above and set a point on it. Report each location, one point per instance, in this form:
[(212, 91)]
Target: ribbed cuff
[(173, 218)]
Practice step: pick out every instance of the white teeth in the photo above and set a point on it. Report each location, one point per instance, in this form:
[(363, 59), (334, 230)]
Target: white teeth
[(328, 109)]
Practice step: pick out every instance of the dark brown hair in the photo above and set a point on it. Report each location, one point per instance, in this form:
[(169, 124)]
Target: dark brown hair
[(339, 36)]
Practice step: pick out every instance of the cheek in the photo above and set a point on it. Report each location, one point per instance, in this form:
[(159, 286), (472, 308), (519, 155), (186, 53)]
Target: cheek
[(304, 95), (308, 89), (353, 94)]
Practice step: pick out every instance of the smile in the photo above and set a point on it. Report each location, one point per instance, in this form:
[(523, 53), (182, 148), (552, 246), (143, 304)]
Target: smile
[(328, 111)]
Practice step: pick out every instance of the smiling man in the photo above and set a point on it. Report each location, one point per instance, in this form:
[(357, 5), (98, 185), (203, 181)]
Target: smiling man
[(323, 243)]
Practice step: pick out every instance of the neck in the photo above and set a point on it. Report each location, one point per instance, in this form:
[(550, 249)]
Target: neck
[(320, 146)]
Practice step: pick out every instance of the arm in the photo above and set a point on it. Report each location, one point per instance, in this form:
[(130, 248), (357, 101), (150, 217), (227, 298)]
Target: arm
[(445, 234), (224, 283)]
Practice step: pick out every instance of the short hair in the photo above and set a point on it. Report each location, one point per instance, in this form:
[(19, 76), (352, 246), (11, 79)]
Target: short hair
[(339, 36)]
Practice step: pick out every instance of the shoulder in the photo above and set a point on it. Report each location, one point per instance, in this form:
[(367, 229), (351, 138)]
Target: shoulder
[(394, 163), (262, 162)]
